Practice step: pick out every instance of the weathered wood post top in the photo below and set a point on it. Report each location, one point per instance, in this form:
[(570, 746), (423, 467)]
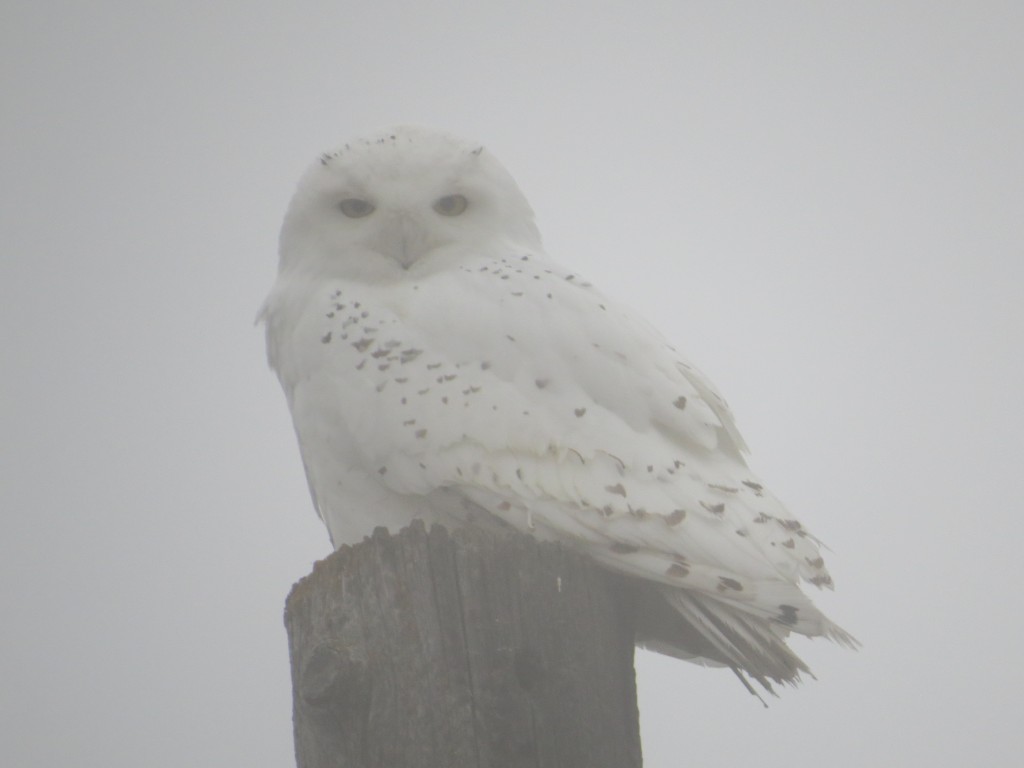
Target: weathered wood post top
[(477, 648)]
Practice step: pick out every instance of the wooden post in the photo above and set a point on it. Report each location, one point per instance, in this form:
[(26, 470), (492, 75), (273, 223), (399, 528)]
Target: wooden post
[(473, 649)]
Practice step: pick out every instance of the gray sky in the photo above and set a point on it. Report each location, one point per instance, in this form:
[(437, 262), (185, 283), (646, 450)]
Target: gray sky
[(819, 203)]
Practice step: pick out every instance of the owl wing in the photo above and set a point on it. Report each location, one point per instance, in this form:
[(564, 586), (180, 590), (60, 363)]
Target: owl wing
[(528, 392)]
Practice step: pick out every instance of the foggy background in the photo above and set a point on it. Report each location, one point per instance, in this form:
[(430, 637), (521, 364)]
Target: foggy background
[(819, 203)]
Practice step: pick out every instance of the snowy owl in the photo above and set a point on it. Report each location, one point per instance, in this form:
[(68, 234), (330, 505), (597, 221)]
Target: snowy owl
[(439, 365)]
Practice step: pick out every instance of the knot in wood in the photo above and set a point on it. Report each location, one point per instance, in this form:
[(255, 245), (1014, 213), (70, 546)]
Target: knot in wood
[(330, 679)]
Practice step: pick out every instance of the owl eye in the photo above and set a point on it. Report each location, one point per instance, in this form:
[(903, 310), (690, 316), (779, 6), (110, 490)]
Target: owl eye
[(451, 205), (355, 208)]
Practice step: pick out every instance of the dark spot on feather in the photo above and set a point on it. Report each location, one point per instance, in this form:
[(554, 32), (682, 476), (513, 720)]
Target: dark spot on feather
[(408, 422), (723, 488), (616, 489), (715, 509), (789, 544), (326, 338), (788, 615), (382, 471), (420, 434), (379, 353), (679, 402), (579, 412), (726, 583), (817, 562), (790, 525), (362, 345), (540, 383), (504, 506), (675, 517), (484, 365), (678, 570), (408, 355), (433, 366), (622, 549)]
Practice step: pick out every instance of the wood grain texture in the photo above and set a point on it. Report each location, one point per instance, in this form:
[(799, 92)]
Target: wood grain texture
[(475, 649)]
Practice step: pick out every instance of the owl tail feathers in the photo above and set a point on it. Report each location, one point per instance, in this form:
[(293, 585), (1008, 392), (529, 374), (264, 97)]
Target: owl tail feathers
[(698, 628)]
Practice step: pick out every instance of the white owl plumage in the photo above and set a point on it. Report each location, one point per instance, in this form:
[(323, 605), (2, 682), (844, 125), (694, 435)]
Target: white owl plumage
[(437, 364)]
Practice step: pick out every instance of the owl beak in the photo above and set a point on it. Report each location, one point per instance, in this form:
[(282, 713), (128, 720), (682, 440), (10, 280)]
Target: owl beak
[(403, 239)]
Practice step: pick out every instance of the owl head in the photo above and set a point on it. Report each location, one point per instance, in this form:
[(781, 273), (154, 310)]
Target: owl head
[(404, 202)]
